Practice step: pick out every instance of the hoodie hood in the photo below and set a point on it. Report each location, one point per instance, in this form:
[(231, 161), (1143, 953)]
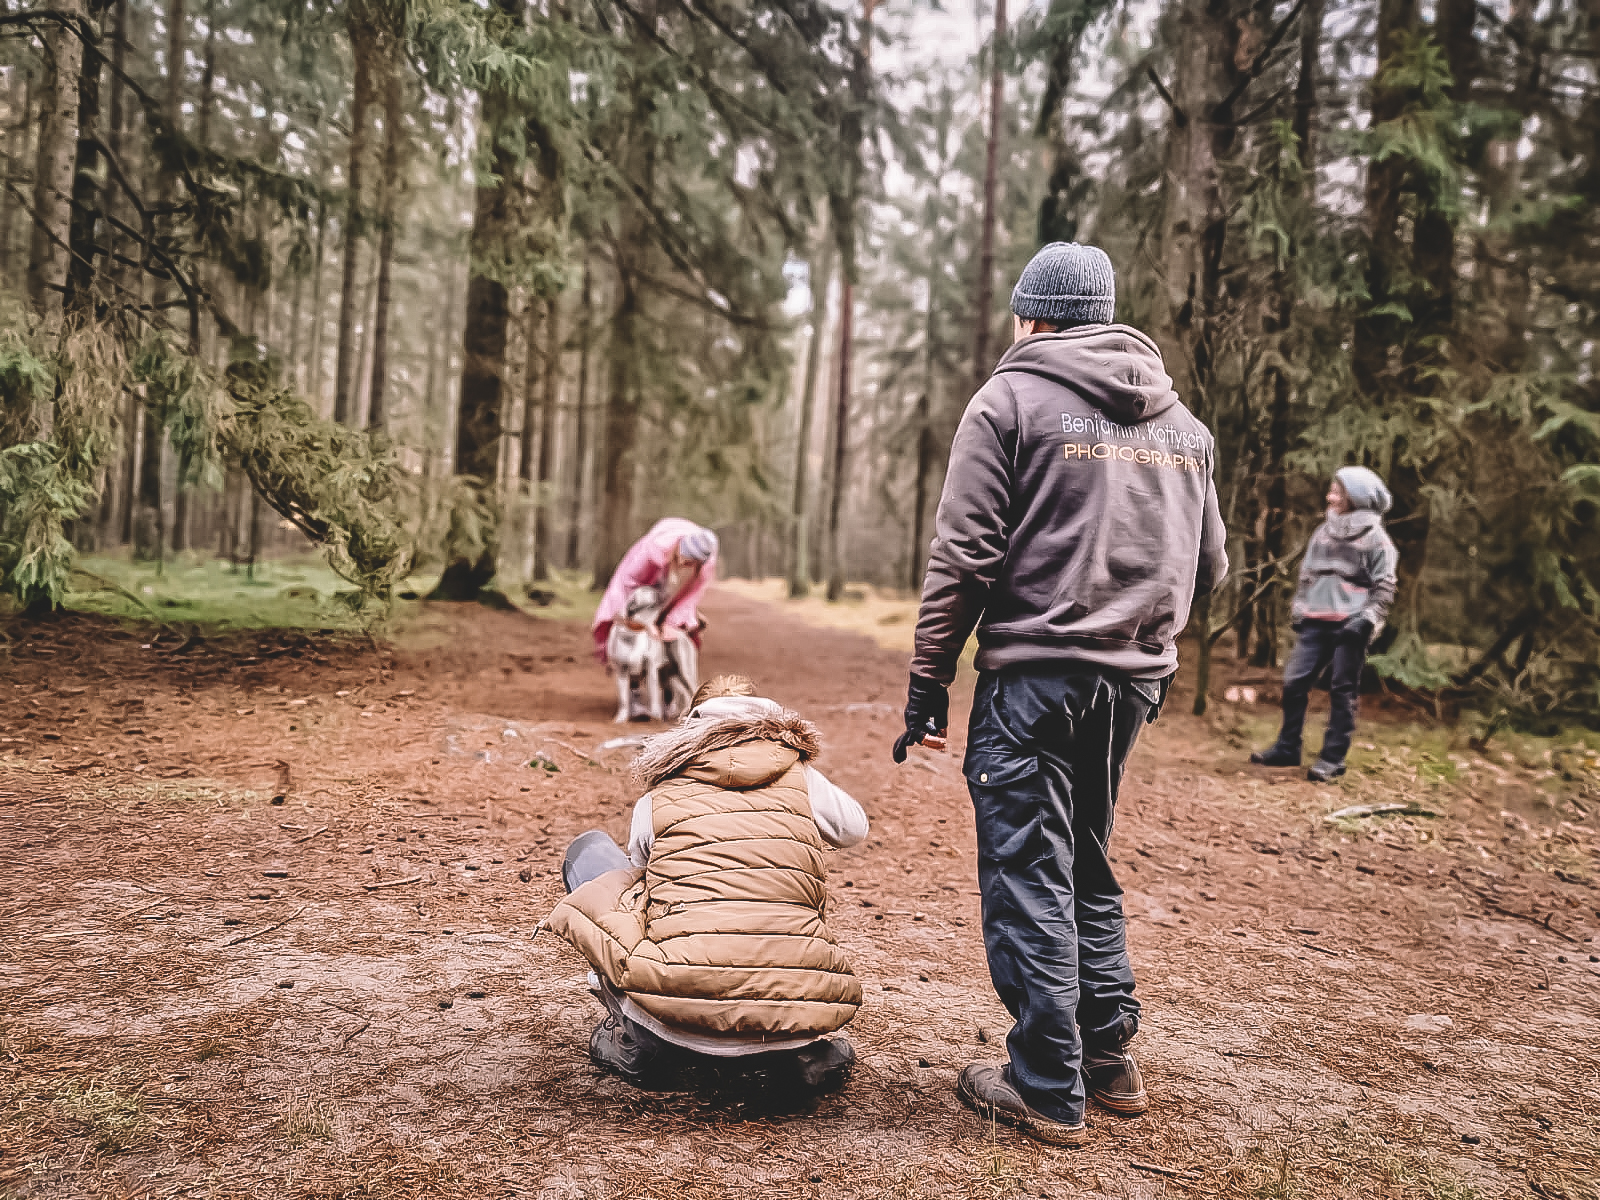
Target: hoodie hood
[(1365, 490), (1350, 525), (1115, 368)]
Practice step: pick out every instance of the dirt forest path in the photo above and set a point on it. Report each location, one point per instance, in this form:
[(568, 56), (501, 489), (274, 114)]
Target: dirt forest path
[(266, 906)]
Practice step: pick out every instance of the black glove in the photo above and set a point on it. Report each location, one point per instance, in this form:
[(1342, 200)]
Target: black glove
[(927, 712), (1357, 629)]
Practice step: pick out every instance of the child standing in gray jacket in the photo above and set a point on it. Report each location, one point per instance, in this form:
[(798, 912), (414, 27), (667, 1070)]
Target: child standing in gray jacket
[(1347, 583)]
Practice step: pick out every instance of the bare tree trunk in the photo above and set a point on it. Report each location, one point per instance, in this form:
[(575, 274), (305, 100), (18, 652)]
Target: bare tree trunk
[(14, 157), (346, 363), (471, 556), (616, 496), (984, 319), (580, 435), (313, 380), (799, 516), (536, 366), (854, 132), (389, 183), (547, 428), (116, 132), (925, 440), (363, 375), (1274, 539), (52, 180), (78, 299)]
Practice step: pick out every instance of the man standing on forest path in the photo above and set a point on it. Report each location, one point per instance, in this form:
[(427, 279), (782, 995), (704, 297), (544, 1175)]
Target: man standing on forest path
[(1077, 524)]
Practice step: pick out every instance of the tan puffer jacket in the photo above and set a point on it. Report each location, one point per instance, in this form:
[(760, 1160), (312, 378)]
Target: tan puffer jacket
[(723, 932)]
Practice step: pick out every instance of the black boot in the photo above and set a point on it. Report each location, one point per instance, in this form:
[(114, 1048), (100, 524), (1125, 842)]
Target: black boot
[(1323, 771), (613, 1047), (1277, 755), (825, 1064)]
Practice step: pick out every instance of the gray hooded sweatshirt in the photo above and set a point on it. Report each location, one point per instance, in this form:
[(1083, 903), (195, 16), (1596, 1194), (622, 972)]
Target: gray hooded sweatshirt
[(1349, 567), (1078, 519)]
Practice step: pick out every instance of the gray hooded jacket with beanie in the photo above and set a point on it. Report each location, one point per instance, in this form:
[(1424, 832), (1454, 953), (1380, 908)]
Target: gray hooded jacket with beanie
[(1079, 518), (1349, 567)]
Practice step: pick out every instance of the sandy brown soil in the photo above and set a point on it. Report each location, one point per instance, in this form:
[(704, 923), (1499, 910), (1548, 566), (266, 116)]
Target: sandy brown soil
[(200, 995)]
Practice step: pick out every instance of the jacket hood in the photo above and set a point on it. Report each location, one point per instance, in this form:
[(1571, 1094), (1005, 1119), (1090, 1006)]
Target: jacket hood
[(1115, 368), (746, 748), (1353, 524), (1365, 489)]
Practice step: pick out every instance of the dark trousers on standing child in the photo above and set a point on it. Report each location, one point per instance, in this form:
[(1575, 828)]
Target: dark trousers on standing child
[(1324, 651)]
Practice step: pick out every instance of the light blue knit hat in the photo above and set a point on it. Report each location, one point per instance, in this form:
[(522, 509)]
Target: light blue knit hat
[(698, 546), (1067, 284)]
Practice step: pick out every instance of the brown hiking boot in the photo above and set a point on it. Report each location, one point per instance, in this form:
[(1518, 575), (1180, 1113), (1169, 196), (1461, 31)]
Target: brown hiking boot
[(1114, 1082), (984, 1088)]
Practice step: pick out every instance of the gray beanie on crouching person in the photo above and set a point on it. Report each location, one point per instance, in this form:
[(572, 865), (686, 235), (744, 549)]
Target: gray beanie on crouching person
[(1067, 284)]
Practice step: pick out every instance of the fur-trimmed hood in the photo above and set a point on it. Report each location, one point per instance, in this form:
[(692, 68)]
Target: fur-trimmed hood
[(717, 726)]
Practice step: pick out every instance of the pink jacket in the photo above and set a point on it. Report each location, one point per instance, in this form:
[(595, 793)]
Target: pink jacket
[(645, 565)]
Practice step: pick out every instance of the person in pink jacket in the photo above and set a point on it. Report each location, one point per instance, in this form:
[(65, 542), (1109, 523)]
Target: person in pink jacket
[(679, 559)]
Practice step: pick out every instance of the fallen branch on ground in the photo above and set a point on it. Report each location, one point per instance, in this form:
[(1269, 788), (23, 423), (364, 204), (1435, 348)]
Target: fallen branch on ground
[(1411, 808), (389, 883), (1169, 1172), (1542, 923), (246, 937)]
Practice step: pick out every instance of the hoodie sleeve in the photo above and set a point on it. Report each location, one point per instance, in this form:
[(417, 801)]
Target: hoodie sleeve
[(840, 819), (1213, 568), (1382, 561), (971, 537)]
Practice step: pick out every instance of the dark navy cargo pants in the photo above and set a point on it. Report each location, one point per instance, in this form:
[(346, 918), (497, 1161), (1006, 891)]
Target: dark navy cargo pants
[(1323, 652), (1046, 749)]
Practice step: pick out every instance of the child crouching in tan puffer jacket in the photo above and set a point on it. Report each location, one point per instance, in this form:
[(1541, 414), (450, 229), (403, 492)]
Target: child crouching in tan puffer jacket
[(709, 936)]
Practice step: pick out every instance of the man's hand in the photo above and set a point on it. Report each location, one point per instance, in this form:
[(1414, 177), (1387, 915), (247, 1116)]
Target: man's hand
[(927, 716), (1357, 628)]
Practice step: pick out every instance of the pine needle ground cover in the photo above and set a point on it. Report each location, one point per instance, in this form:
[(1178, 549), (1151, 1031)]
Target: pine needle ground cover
[(269, 932)]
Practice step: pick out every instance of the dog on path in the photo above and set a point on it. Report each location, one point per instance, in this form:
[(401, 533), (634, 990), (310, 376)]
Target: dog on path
[(667, 672)]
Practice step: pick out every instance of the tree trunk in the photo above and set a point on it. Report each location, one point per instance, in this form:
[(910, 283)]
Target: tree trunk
[(345, 362), (116, 131), (616, 496), (852, 136), (580, 434), (984, 319), (78, 299), (52, 180), (389, 182), (313, 380), (1376, 332), (1195, 217), (1201, 623), (536, 367), (547, 410), (1270, 608), (363, 370), (470, 560), (133, 430), (799, 567), (292, 353), (14, 156), (925, 440), (841, 444), (1427, 343)]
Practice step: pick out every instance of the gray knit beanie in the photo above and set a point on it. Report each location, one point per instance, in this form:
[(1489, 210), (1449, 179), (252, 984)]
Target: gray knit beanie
[(1067, 284)]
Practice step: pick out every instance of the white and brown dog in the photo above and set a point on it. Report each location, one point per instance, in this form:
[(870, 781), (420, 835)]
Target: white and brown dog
[(668, 672)]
